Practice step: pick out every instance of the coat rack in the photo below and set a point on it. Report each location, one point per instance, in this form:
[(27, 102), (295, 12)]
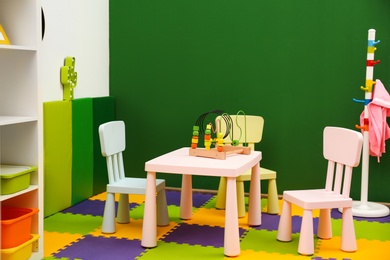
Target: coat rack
[(363, 208)]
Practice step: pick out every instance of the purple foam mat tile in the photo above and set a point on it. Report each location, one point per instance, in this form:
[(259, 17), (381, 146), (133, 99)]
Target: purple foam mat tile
[(336, 214), (271, 223), (173, 197), (91, 207), (102, 248), (198, 235), (198, 198), (268, 222), (297, 223)]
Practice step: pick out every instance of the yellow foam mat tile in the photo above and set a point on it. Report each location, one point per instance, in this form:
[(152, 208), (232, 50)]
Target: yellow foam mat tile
[(55, 241), (298, 211), (367, 249), (214, 218), (133, 198), (133, 230)]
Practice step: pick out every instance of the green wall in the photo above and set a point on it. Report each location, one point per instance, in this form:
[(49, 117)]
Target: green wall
[(296, 63)]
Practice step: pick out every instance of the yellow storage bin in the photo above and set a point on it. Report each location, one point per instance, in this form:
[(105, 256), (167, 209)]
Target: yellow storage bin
[(15, 178), (22, 252)]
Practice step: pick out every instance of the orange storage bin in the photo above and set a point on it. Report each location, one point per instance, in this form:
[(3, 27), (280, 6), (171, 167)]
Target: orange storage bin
[(16, 226)]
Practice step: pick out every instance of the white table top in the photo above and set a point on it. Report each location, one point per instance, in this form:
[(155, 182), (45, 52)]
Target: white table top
[(179, 162)]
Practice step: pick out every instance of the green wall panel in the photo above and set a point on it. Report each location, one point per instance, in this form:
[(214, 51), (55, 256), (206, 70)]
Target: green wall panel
[(103, 110), (83, 154), (57, 118), (299, 64)]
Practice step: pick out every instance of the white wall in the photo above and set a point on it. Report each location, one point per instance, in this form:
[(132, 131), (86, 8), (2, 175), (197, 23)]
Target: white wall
[(78, 28)]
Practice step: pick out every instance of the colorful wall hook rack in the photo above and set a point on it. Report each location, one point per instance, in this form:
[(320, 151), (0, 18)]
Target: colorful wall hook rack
[(363, 208)]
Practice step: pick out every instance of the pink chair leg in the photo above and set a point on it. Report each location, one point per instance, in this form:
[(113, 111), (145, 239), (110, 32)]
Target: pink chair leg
[(186, 197), (285, 223), (348, 238), (324, 224), (149, 225), (306, 237), (232, 236)]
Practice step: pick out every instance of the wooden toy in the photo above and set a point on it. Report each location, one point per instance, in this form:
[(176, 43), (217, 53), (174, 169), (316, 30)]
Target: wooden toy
[(207, 137), (220, 150), (195, 137), (219, 142), (214, 153)]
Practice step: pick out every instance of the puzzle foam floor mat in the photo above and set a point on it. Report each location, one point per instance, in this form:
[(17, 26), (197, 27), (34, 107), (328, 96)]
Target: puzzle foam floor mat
[(75, 233)]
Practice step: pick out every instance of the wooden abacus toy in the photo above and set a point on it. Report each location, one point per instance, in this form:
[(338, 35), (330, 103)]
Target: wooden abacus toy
[(219, 151)]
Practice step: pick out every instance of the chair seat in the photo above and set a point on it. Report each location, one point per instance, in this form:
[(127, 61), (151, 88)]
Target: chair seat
[(133, 185), (265, 174), (316, 199)]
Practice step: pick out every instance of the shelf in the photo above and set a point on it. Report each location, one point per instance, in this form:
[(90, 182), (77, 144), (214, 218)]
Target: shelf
[(10, 120), (21, 131), (17, 47), (9, 196)]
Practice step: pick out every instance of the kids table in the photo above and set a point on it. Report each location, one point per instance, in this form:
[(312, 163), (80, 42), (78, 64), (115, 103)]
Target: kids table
[(180, 162)]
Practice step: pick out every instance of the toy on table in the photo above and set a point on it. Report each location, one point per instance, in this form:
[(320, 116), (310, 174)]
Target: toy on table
[(207, 137), (219, 142), (219, 151), (195, 138)]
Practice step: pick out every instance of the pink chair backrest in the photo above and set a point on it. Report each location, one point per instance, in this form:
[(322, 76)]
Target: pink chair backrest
[(113, 143), (341, 147)]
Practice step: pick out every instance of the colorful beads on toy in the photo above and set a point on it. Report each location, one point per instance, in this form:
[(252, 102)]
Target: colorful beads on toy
[(219, 142), (195, 137), (207, 137)]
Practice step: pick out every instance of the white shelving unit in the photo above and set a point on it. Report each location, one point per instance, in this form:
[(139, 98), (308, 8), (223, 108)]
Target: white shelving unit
[(21, 127)]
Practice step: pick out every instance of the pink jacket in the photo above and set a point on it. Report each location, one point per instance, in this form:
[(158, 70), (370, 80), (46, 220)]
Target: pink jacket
[(378, 111)]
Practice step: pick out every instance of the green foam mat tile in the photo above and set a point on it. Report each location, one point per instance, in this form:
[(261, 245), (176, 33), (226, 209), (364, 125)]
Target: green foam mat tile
[(263, 240), (175, 251), (173, 212), (72, 223)]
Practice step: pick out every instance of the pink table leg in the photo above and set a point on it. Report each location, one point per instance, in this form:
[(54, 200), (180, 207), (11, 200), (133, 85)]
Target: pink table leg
[(254, 211), (232, 236), (186, 197), (149, 226)]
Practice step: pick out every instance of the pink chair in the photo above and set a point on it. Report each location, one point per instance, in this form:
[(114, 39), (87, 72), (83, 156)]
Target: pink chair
[(342, 148)]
